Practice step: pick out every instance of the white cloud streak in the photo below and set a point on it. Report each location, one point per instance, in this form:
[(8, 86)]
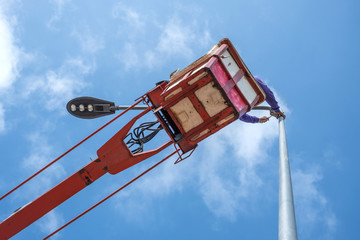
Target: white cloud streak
[(9, 59), (2, 118), (9, 54), (176, 38), (58, 12), (129, 56), (311, 205), (229, 176), (160, 183), (90, 43), (51, 222), (40, 154), (129, 17), (58, 87)]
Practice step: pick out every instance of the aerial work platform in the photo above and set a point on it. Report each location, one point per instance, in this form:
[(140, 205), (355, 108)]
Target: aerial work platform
[(195, 103), (206, 96)]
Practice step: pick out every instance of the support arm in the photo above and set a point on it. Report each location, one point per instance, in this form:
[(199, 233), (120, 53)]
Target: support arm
[(34, 210), (113, 157)]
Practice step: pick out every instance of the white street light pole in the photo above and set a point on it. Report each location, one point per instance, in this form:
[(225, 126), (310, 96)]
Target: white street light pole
[(287, 221)]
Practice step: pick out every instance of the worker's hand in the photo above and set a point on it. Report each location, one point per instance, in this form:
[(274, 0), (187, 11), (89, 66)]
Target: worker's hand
[(277, 114), (264, 119), (280, 114)]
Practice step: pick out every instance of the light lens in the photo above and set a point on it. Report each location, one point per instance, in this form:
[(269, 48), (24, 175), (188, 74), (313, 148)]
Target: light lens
[(81, 107), (90, 108), (73, 107)]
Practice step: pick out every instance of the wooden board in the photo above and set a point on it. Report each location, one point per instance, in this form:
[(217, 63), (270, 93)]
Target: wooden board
[(212, 100), (186, 114)]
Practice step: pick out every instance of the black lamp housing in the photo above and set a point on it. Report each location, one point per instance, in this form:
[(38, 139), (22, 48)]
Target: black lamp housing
[(89, 107)]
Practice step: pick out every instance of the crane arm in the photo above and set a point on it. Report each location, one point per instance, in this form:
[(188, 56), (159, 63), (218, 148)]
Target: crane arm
[(113, 157), (34, 210), (203, 98)]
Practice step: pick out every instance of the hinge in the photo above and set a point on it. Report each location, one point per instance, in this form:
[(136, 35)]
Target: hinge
[(85, 176)]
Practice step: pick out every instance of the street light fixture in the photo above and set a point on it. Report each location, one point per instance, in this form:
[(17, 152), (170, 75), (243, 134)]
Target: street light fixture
[(89, 107)]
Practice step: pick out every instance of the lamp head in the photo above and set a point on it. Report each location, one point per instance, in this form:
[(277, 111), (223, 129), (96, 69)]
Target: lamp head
[(89, 107)]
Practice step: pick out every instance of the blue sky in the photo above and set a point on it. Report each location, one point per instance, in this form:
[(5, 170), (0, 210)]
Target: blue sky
[(307, 51)]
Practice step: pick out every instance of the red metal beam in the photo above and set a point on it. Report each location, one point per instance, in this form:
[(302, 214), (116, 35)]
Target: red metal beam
[(72, 148), (112, 194), (113, 157), (34, 210)]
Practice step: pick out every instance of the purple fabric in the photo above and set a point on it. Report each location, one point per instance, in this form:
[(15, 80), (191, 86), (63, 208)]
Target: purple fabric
[(249, 119), (270, 99)]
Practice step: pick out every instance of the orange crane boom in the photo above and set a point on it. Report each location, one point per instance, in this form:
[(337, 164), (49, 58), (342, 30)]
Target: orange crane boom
[(197, 102)]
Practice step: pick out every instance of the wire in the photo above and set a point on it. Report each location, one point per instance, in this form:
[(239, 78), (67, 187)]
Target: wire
[(112, 194), (138, 137), (75, 146)]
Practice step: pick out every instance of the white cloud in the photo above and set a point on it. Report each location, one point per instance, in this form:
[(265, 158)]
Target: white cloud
[(176, 38), (159, 183), (229, 176), (129, 57), (180, 38), (129, 16), (217, 189), (312, 207), (51, 222), (58, 12), (2, 118), (231, 185), (9, 54), (41, 153), (58, 87), (235, 184), (89, 42)]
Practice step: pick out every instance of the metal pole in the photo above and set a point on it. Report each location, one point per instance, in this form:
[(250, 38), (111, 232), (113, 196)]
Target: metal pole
[(287, 221), (143, 107), (124, 107)]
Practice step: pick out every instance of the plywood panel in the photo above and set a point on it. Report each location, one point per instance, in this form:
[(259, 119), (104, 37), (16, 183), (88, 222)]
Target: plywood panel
[(176, 91), (186, 114), (211, 98), (221, 122), (206, 131)]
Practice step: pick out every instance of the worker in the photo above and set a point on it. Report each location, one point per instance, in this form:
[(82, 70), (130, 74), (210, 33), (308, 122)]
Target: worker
[(270, 99)]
